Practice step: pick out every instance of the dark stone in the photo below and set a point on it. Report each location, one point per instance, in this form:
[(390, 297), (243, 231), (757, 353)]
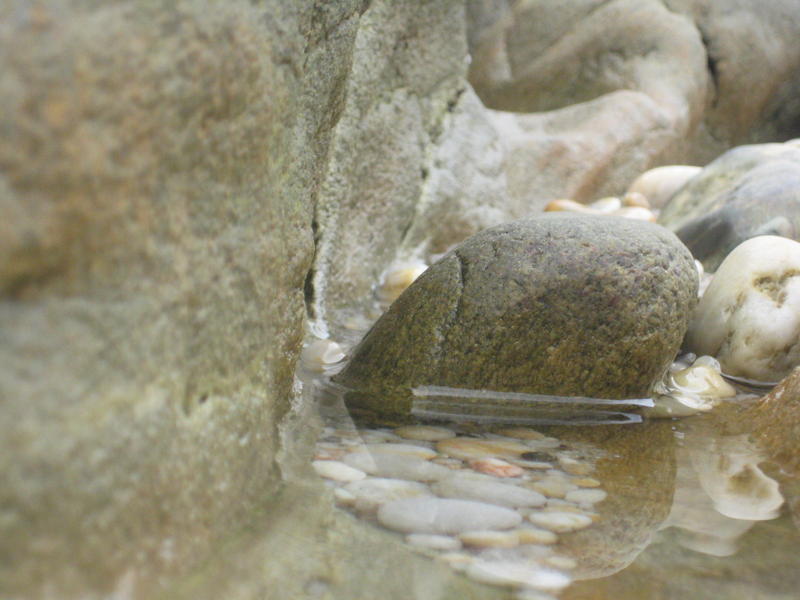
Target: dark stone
[(567, 305)]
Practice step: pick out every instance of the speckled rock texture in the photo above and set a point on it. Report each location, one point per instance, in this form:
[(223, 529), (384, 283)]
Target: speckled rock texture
[(557, 304), (748, 191)]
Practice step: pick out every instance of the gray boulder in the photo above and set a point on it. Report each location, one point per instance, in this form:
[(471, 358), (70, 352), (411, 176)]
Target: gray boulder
[(557, 304), (748, 191)]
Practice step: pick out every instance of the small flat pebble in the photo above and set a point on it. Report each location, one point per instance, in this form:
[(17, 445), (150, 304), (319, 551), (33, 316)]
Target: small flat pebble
[(338, 471), (472, 448), (586, 482), (493, 492), (553, 487), (560, 522), (370, 493), (496, 467), (457, 560), (343, 497), (396, 466), (574, 467), (586, 496), (424, 433), (401, 450), (517, 574), (561, 562), (490, 539), (445, 516), (534, 535), (434, 542), (521, 433)]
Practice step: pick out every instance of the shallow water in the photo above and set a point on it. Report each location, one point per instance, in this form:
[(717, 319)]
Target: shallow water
[(691, 508)]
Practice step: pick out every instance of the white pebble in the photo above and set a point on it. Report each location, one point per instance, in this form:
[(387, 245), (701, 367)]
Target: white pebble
[(553, 487), (370, 493), (490, 539), (574, 467), (434, 542), (401, 450), (534, 535), (517, 574), (749, 317), (424, 433), (398, 277), (445, 516), (586, 496), (396, 466), (660, 184), (338, 471), (560, 522), (320, 354), (470, 448), (492, 492)]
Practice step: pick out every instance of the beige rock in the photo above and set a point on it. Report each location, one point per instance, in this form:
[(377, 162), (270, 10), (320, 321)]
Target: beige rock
[(749, 317), (660, 184)]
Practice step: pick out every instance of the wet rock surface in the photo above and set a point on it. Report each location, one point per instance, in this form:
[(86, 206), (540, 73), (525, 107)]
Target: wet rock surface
[(746, 192), (564, 305)]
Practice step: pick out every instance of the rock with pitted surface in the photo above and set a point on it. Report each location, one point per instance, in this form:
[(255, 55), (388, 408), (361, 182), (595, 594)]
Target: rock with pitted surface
[(558, 304), (748, 191)]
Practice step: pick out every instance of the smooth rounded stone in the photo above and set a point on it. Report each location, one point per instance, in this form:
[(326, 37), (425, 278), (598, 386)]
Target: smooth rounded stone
[(522, 433), (424, 433), (370, 493), (473, 448), (398, 277), (560, 522), (696, 388), (586, 482), (496, 467), (401, 450), (534, 535), (457, 560), (320, 354), (660, 184), (586, 496), (490, 539), (396, 466), (434, 542), (517, 574), (574, 466), (552, 487), (746, 192), (561, 562), (343, 497), (503, 494), (337, 471), (749, 317), (590, 306), (445, 516)]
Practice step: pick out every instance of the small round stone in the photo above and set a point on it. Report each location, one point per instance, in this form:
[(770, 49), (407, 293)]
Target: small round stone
[(493, 492), (517, 574), (473, 448), (445, 516), (371, 493), (396, 466), (561, 562), (490, 539), (552, 487), (320, 354), (496, 467), (586, 482), (401, 450), (343, 497), (434, 542), (521, 433), (586, 496), (457, 560), (560, 522), (534, 535), (337, 471), (424, 433), (573, 466)]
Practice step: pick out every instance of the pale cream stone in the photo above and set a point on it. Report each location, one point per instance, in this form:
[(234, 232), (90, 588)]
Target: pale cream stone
[(636, 212), (560, 522), (586, 496), (472, 448), (490, 539), (424, 433), (574, 466), (534, 535), (398, 277), (320, 354), (434, 542), (496, 467), (606, 205), (517, 574), (660, 184), (749, 317), (522, 433), (337, 471)]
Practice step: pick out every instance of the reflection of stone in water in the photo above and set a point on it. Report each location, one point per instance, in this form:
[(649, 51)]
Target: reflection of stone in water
[(638, 473)]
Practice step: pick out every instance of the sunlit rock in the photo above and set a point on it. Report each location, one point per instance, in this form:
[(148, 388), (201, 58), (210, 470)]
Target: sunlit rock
[(749, 317)]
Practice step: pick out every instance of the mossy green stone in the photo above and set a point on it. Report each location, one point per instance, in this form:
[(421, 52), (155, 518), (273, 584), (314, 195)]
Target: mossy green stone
[(560, 304)]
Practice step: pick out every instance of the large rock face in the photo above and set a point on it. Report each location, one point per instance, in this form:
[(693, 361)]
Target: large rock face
[(559, 304), (746, 192), (156, 161)]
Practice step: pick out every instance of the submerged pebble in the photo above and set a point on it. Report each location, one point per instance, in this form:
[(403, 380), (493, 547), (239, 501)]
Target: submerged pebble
[(445, 516), (517, 574), (586, 496), (396, 466), (473, 448), (490, 539), (424, 433), (560, 522), (397, 278), (496, 467), (488, 491), (319, 354), (434, 542), (338, 471), (371, 493), (534, 535)]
